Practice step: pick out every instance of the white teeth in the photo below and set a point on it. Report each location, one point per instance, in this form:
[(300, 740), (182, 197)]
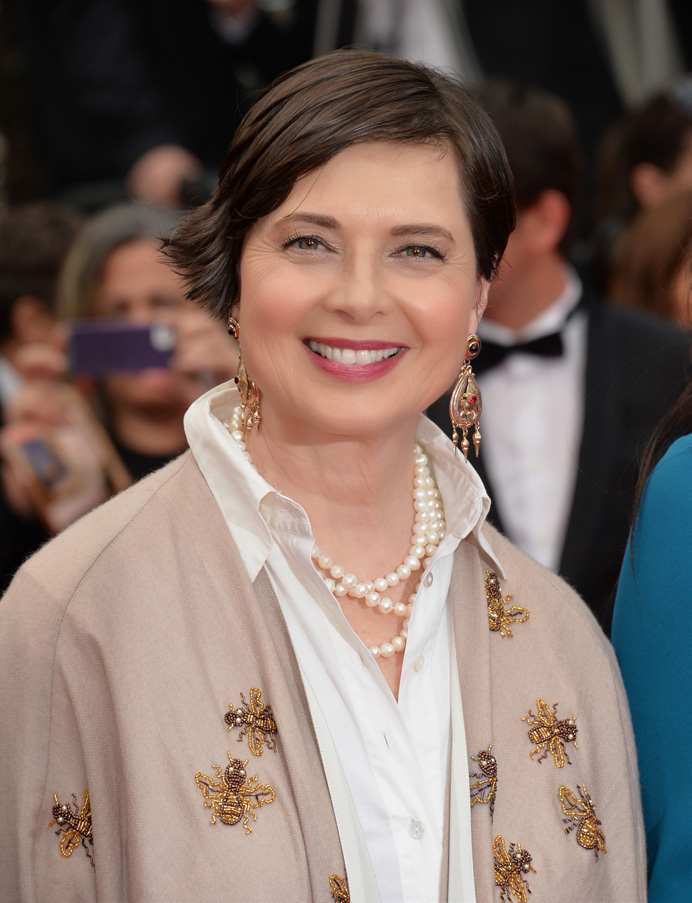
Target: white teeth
[(360, 358)]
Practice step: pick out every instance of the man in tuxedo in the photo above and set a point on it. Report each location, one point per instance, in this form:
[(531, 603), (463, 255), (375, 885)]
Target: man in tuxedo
[(572, 386)]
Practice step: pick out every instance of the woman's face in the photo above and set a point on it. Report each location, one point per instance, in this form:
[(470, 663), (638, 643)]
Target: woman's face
[(359, 291), (137, 286)]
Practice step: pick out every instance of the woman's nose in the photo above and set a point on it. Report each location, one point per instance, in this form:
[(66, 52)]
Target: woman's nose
[(362, 291)]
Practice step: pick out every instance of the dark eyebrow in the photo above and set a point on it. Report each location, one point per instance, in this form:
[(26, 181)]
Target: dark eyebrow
[(314, 219), (328, 222), (423, 229)]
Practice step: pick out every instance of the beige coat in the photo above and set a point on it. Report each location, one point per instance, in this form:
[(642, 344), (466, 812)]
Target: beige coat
[(124, 641)]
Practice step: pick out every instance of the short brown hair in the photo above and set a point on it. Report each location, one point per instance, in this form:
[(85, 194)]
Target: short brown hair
[(303, 120), (542, 143)]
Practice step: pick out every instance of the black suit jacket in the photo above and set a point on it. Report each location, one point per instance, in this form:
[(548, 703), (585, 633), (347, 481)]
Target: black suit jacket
[(637, 365)]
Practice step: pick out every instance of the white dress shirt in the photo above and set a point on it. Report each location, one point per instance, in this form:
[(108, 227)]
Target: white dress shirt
[(533, 415), (395, 762)]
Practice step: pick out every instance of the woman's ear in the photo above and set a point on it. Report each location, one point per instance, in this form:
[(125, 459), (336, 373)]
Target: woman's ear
[(480, 306), (233, 324), (649, 184)]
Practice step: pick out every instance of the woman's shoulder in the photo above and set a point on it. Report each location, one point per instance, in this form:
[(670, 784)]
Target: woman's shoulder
[(676, 464), (657, 554), (52, 575), (555, 603), (664, 514)]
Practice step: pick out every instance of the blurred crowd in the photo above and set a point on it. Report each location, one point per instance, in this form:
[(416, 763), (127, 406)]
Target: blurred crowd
[(115, 117)]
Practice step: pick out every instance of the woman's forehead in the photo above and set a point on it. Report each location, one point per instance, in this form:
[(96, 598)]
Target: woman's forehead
[(403, 176)]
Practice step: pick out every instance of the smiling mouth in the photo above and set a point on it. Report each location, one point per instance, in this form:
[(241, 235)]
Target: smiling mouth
[(361, 357)]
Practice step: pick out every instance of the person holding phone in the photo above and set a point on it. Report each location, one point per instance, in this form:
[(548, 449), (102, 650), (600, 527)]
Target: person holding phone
[(100, 434)]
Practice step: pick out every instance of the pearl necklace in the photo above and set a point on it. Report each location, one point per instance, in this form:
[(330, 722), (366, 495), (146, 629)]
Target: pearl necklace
[(428, 530)]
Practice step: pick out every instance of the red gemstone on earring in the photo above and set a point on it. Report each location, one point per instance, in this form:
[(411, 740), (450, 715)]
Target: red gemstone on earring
[(473, 399)]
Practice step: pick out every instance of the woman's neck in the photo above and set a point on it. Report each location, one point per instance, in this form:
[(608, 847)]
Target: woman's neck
[(358, 494), (347, 485)]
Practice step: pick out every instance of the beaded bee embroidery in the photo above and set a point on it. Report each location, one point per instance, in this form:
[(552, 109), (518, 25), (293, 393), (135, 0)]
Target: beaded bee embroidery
[(257, 720), (483, 790), (339, 889), (550, 734), (500, 618), (74, 823), (510, 868), (234, 796), (581, 814)]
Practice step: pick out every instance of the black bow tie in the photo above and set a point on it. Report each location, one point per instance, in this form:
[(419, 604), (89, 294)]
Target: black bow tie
[(493, 354)]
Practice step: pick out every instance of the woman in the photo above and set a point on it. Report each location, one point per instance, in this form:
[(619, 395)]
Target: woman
[(651, 606), (316, 576), (652, 271), (644, 158), (113, 271)]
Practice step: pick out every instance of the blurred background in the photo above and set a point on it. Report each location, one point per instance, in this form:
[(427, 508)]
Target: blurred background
[(103, 99)]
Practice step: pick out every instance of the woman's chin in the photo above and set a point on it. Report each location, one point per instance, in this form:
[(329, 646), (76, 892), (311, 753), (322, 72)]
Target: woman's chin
[(341, 421)]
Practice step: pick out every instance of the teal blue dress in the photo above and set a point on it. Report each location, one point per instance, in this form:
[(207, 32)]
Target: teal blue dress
[(652, 635)]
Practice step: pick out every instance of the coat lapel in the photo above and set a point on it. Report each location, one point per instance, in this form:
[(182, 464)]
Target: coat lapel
[(299, 746), (472, 645)]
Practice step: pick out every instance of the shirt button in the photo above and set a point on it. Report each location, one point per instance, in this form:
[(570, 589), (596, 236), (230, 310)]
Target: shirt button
[(418, 662), (429, 579), (416, 829)]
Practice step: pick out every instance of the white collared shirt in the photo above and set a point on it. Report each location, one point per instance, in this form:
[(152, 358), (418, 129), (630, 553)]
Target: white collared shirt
[(533, 416), (394, 755)]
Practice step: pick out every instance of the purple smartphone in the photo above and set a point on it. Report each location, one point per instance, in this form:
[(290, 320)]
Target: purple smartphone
[(100, 347)]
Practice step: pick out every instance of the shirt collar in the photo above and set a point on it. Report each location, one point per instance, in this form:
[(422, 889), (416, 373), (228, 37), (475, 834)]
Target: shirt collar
[(247, 501), (552, 319)]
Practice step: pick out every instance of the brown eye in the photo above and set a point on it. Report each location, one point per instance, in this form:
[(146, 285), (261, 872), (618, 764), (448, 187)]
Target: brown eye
[(308, 244), (422, 252)]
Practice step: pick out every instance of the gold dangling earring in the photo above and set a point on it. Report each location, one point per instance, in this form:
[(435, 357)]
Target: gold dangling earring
[(251, 415), (466, 404)]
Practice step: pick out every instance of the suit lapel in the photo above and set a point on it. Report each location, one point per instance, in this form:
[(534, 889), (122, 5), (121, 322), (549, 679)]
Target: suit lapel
[(597, 454)]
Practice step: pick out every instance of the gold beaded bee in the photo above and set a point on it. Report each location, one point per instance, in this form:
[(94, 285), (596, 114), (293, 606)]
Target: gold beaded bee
[(234, 796), (74, 823), (581, 814), (551, 735), (484, 789), (510, 868), (339, 889), (501, 619), (257, 720)]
